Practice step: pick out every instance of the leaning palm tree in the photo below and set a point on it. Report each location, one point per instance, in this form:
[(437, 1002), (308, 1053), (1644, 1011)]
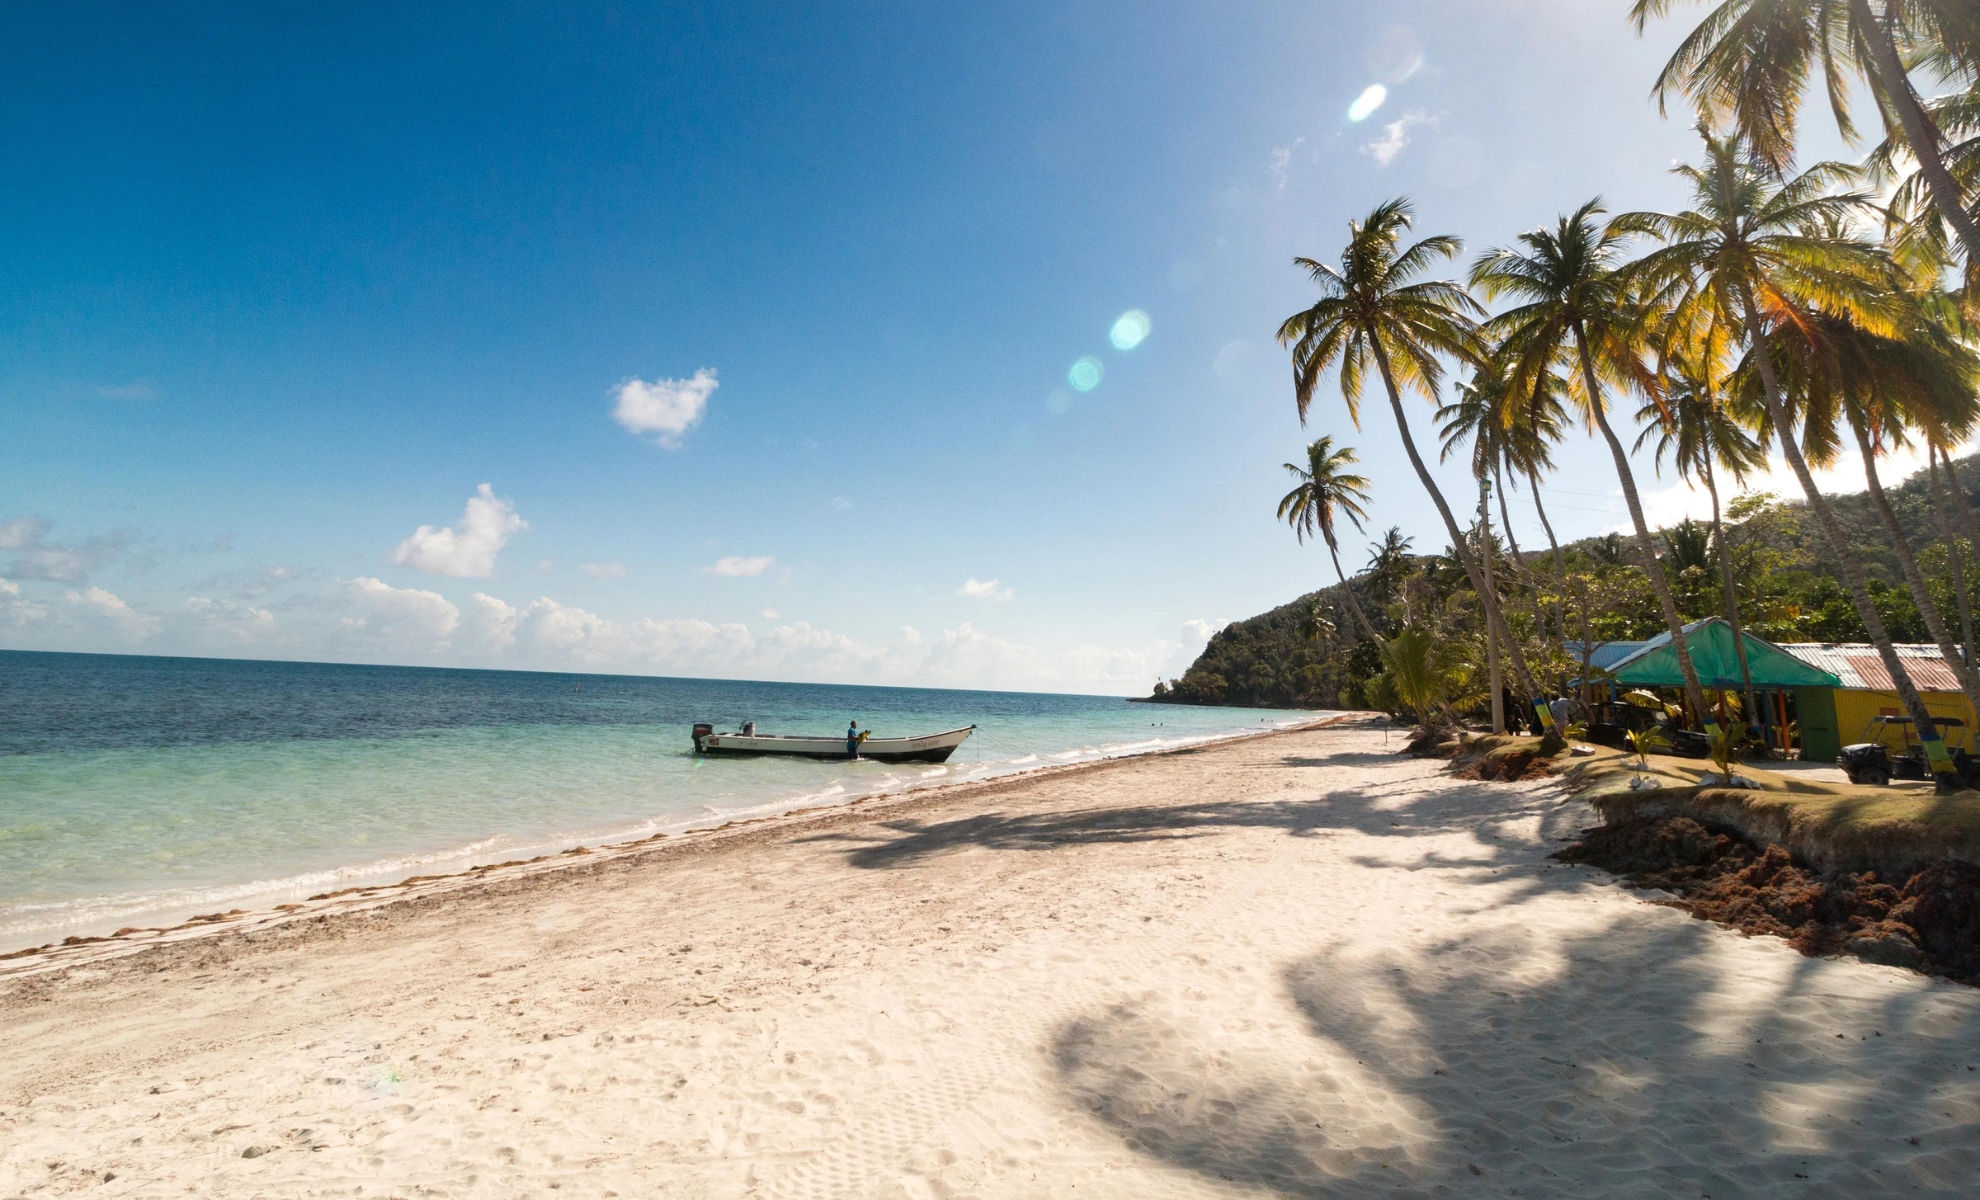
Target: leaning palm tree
[(1327, 490), (1881, 387), (1575, 307), (1376, 310), (1753, 59), (1694, 426), (1747, 256)]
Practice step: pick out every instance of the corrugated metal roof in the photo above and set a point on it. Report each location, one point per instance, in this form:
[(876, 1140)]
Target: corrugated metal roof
[(1859, 665)]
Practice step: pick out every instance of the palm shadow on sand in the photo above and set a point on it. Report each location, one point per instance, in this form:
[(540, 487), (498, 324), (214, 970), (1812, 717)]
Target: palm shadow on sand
[(1614, 1076), (1367, 809)]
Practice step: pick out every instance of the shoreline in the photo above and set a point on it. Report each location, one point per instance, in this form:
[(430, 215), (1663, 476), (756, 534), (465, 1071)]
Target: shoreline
[(81, 950), (1293, 963)]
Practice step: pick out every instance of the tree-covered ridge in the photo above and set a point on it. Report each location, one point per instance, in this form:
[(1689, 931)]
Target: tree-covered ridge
[(1786, 584)]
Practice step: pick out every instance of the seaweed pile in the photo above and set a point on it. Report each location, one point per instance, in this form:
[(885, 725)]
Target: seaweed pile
[(1928, 922)]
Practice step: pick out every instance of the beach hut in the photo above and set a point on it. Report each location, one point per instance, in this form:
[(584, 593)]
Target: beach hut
[(1779, 677), (1833, 717)]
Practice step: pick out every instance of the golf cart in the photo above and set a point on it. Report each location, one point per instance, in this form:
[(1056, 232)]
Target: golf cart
[(1873, 761)]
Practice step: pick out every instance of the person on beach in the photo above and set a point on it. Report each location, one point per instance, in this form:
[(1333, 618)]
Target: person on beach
[(852, 740)]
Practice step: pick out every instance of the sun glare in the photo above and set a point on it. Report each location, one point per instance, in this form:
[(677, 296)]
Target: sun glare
[(1129, 331), (1085, 374), (1370, 99)]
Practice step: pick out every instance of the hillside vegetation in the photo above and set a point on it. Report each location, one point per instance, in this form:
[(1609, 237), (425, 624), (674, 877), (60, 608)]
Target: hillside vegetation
[(1787, 592)]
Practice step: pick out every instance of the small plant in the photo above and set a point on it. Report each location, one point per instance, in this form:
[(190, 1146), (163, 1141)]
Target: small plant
[(1643, 741), (1576, 731), (1727, 743)]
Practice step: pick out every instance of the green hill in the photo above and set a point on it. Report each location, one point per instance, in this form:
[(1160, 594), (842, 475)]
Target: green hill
[(1788, 592)]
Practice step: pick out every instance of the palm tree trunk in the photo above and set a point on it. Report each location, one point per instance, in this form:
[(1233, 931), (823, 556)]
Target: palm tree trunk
[(1560, 569), (1522, 574), (1493, 679), (1953, 549), (1934, 623), (1893, 87), (1644, 546), (1846, 564), (1962, 507), (1348, 589), (1732, 597), (1485, 598)]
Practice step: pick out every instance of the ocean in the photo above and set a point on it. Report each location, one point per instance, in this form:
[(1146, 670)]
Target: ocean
[(140, 791)]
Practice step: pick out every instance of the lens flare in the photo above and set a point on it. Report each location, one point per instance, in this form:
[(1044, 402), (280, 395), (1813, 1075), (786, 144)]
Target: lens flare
[(1085, 374), (1365, 104), (1129, 331)]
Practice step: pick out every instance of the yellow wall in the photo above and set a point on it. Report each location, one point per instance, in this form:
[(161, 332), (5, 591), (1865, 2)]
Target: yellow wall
[(1855, 709)]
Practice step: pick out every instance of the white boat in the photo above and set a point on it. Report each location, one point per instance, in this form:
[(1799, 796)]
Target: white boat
[(929, 748)]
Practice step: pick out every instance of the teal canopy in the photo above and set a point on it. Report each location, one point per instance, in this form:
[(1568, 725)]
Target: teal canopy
[(1716, 660)]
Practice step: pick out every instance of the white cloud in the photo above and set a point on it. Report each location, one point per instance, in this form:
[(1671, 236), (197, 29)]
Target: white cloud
[(737, 567), (37, 558), (1201, 631), (22, 533), (1395, 137), (107, 608), (603, 571), (17, 611), (231, 618), (666, 408), (771, 614), (491, 624), (466, 551), (910, 635), (841, 503), (403, 618), (985, 590)]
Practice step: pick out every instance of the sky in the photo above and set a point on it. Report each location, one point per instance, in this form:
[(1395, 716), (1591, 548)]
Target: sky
[(906, 344)]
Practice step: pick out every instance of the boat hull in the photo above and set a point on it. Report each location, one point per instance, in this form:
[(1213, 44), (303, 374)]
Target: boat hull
[(932, 748)]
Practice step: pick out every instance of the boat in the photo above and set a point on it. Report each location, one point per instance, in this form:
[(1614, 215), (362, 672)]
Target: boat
[(929, 748)]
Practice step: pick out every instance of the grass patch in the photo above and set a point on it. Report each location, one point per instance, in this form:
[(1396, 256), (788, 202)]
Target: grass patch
[(1896, 829)]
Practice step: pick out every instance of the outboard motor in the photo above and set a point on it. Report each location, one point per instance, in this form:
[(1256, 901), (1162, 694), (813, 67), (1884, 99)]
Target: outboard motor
[(701, 730)]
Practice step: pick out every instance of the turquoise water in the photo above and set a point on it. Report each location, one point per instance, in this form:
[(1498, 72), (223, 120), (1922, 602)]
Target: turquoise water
[(139, 791)]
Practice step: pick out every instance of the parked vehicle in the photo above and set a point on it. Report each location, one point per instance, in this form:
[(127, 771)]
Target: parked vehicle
[(1891, 749)]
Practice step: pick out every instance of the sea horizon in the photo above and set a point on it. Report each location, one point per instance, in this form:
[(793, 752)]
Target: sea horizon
[(138, 790)]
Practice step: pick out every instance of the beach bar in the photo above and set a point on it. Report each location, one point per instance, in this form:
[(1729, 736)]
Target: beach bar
[(1835, 716), (1779, 678)]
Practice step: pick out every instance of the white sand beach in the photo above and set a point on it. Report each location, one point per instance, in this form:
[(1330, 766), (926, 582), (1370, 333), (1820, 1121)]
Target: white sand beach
[(1295, 965)]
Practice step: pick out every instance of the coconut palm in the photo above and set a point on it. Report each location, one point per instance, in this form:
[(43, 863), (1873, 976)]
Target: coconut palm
[(1388, 568), (1747, 256), (1327, 490), (1694, 426), (1753, 59), (1376, 310), (1575, 307), (1881, 387)]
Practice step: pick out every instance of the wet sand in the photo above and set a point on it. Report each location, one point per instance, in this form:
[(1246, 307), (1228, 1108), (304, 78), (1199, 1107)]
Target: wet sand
[(1296, 965)]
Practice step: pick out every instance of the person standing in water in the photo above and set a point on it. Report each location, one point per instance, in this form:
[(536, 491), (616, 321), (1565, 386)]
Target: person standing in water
[(852, 740)]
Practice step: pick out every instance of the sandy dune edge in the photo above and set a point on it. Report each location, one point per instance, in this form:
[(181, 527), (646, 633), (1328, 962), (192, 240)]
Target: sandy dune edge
[(1294, 965)]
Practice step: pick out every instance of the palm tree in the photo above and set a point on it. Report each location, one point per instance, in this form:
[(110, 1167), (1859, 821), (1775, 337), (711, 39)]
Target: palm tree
[(1879, 386), (1746, 257), (1755, 58), (1388, 567), (1576, 308), (1694, 426), (1326, 489), (1376, 310)]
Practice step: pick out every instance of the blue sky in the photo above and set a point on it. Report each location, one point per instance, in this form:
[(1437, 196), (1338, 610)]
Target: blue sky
[(756, 325)]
